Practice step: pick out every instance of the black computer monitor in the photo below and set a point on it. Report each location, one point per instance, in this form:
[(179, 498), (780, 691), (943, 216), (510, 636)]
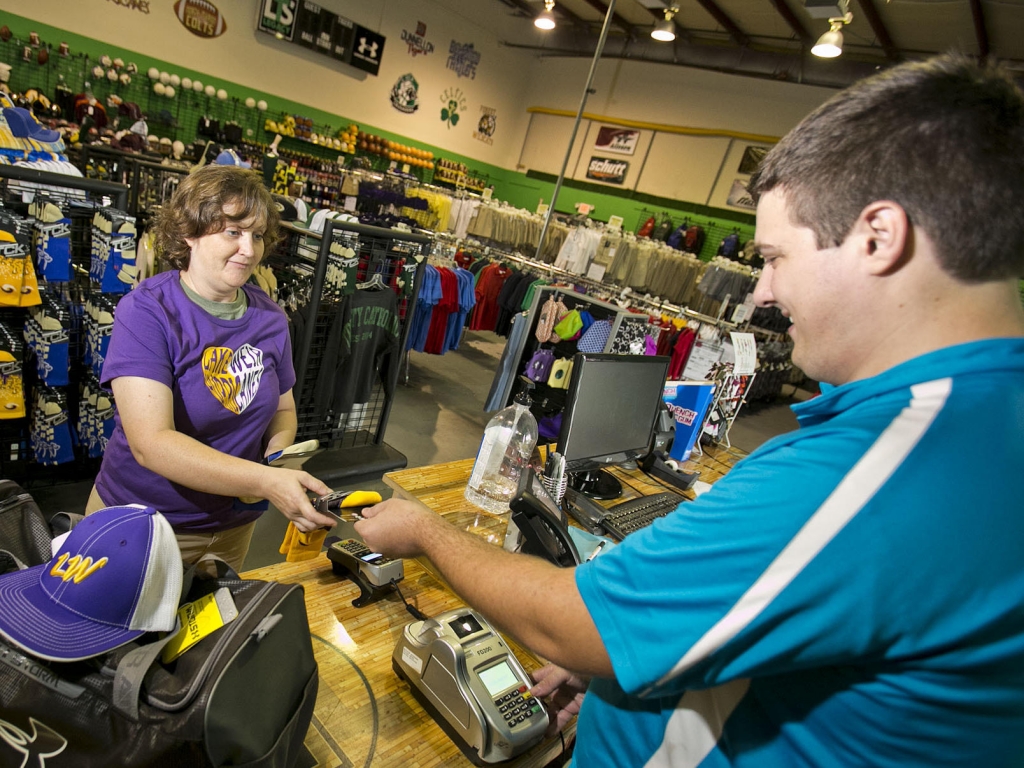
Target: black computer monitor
[(609, 416)]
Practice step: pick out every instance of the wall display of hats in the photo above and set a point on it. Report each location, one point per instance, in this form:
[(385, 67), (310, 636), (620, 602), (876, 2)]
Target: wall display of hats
[(458, 175)]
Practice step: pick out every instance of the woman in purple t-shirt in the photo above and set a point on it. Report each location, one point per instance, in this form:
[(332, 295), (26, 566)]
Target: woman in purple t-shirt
[(201, 368)]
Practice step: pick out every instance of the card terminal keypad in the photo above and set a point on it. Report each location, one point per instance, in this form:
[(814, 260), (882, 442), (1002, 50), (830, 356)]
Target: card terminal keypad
[(517, 706)]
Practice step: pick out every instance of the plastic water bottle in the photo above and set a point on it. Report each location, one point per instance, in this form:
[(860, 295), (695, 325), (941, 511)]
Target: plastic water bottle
[(505, 450)]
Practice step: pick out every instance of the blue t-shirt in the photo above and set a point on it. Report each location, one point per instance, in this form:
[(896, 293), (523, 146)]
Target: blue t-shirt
[(848, 595), (226, 376)]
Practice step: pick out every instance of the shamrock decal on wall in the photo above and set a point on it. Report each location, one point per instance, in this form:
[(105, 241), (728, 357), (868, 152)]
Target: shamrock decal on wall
[(454, 103)]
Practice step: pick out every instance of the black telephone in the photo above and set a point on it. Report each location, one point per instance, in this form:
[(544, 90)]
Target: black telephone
[(542, 523)]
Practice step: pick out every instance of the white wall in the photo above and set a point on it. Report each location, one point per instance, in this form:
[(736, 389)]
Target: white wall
[(694, 168), (661, 93)]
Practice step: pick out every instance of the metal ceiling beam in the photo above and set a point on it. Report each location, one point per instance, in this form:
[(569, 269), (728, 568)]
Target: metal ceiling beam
[(878, 27), (738, 35), (980, 32), (794, 23), (601, 8)]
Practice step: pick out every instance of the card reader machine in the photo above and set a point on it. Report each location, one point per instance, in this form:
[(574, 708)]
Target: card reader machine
[(464, 674)]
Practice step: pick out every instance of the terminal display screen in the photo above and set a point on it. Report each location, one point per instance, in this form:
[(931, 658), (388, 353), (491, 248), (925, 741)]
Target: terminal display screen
[(498, 678)]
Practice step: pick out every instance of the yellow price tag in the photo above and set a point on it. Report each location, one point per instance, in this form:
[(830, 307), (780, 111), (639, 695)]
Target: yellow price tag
[(198, 619)]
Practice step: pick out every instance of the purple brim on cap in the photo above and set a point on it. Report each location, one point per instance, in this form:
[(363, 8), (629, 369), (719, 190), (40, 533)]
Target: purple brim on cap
[(55, 634), (116, 576)]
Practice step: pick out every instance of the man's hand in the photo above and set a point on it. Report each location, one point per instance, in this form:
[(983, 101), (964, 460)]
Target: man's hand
[(397, 527), (562, 692)]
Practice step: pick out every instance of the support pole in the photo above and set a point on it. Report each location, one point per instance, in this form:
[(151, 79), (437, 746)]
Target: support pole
[(576, 126)]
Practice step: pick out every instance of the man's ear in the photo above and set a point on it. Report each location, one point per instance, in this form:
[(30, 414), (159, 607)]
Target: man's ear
[(883, 233)]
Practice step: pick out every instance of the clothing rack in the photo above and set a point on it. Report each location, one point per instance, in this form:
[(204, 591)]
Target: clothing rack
[(354, 439), (613, 291)]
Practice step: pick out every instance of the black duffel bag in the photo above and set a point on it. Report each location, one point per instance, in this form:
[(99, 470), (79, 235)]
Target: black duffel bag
[(241, 696)]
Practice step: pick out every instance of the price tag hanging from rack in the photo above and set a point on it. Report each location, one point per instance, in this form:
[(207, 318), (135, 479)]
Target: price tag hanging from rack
[(745, 350)]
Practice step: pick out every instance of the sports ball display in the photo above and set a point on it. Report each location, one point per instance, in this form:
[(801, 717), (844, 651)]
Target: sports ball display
[(200, 17)]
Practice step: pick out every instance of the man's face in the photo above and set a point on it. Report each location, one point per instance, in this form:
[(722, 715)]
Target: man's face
[(811, 287)]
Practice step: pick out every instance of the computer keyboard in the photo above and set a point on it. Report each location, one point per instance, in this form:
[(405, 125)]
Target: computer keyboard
[(626, 517)]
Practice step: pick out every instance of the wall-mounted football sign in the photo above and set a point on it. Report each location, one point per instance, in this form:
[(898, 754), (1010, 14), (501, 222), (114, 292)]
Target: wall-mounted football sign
[(307, 24), (200, 17)]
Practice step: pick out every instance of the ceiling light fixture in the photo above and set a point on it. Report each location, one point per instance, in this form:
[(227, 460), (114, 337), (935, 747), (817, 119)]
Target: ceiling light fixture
[(665, 31), (830, 44), (546, 19)]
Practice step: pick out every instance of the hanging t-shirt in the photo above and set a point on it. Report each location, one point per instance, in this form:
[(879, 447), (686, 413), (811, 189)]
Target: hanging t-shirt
[(361, 346)]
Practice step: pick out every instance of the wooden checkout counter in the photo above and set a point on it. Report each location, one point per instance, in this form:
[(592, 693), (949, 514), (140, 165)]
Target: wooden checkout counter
[(364, 714)]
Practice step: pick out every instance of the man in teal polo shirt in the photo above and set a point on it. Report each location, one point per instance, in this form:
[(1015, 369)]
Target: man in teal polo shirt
[(850, 594)]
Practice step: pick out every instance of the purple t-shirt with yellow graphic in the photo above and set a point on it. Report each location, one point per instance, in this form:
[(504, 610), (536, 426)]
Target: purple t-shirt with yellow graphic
[(227, 377)]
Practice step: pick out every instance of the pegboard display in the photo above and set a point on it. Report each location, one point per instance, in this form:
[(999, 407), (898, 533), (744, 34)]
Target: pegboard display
[(715, 231), (175, 117)]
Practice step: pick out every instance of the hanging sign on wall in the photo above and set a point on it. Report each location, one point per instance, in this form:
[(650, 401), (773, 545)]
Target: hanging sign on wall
[(463, 59), (305, 23), (620, 140), (135, 5), (405, 94), (486, 125), (739, 197), (417, 41), (607, 170), (454, 102), (200, 17), (277, 18), (752, 157)]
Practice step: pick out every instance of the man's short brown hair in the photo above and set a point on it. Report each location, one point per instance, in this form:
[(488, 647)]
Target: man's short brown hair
[(942, 138), (198, 207)]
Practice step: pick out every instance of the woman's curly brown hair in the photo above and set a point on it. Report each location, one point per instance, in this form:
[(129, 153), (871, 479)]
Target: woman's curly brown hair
[(198, 208)]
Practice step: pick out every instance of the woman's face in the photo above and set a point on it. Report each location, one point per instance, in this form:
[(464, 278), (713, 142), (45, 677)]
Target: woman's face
[(222, 262)]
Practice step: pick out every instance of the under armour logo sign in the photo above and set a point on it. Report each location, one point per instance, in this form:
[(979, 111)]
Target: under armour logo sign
[(371, 47), (34, 748)]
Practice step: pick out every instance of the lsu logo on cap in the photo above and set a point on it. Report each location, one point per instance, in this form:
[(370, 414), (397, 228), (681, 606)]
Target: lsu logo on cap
[(76, 568)]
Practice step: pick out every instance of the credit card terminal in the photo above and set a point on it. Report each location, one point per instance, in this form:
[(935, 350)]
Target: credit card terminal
[(462, 672), (355, 556)]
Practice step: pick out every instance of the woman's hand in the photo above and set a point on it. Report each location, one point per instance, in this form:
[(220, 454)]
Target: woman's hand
[(287, 489)]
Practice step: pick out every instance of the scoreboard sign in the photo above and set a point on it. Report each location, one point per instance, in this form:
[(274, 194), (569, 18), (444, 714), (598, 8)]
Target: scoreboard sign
[(311, 26)]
